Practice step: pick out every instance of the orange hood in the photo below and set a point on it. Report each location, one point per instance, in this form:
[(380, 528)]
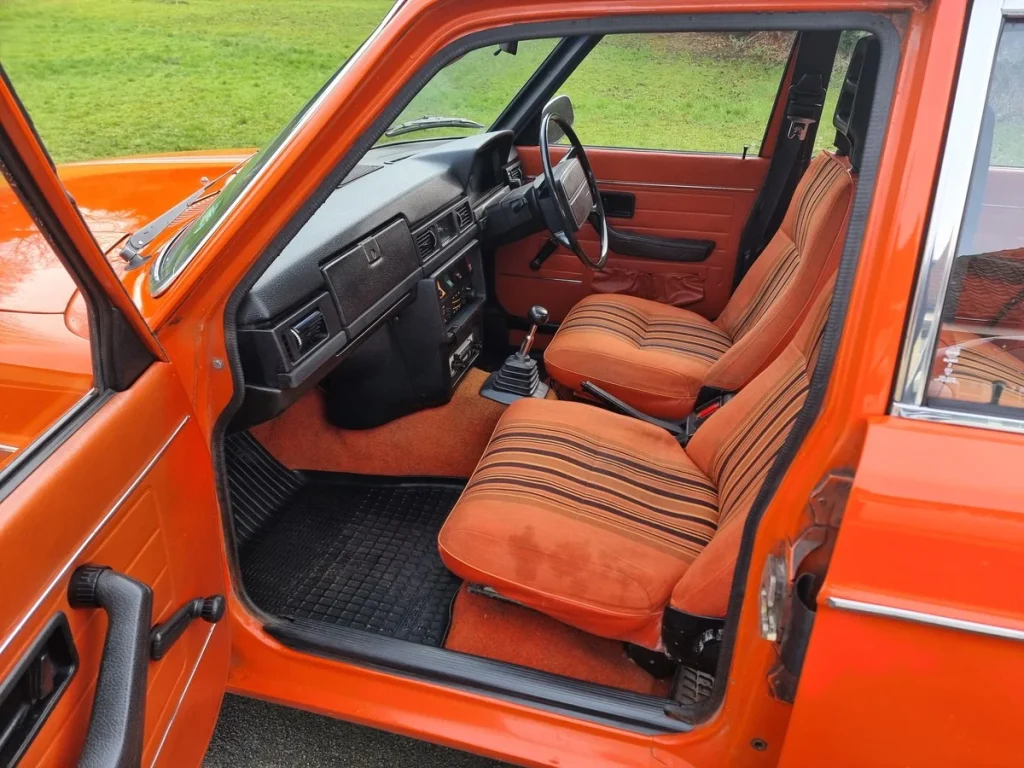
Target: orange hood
[(115, 197)]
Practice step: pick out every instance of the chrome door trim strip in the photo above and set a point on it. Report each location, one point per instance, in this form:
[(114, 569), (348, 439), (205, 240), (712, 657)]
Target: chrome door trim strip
[(655, 185), (573, 281), (959, 418), (184, 693), (920, 617), (89, 539), (950, 200)]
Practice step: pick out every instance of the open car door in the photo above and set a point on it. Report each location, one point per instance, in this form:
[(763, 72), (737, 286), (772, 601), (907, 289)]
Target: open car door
[(111, 550)]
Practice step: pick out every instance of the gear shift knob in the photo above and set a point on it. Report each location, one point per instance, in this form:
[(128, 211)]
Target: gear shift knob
[(537, 316)]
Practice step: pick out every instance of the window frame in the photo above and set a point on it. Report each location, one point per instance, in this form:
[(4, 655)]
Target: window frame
[(118, 352), (977, 62), (593, 42), (43, 444)]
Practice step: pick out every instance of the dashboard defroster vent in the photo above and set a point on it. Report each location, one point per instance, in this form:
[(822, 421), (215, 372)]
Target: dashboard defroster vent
[(515, 175), (464, 216), (426, 243)]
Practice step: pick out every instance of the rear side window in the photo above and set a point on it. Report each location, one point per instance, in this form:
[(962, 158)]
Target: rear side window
[(978, 363), (680, 91)]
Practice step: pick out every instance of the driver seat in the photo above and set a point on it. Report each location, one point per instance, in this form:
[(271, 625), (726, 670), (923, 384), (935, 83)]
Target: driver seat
[(658, 357)]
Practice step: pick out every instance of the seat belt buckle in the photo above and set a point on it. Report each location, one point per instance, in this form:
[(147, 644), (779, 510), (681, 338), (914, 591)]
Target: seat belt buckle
[(705, 412)]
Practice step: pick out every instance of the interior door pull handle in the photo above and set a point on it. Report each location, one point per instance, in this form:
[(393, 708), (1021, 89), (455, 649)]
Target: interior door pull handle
[(115, 735), (209, 609)]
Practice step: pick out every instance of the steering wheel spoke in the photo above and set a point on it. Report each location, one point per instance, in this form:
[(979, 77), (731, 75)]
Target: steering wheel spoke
[(562, 210)]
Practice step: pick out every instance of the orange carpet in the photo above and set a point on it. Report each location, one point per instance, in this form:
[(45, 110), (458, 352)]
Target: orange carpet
[(505, 632), (446, 441)]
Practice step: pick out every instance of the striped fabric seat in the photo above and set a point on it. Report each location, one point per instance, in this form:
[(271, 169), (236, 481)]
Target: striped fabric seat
[(598, 519), (978, 369), (658, 357)]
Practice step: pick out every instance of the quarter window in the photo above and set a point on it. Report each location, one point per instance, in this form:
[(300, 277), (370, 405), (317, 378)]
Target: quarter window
[(978, 363)]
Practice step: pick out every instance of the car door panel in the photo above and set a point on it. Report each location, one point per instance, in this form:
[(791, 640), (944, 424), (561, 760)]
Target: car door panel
[(677, 195), (918, 635), (132, 489), (124, 480)]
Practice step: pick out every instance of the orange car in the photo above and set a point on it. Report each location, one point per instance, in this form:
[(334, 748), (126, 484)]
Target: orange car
[(434, 417)]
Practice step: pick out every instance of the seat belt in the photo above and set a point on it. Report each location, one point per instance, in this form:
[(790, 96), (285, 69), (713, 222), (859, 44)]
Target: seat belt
[(805, 100)]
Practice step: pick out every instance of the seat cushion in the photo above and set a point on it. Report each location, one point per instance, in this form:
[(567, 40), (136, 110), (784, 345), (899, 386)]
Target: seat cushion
[(651, 355), (585, 515)]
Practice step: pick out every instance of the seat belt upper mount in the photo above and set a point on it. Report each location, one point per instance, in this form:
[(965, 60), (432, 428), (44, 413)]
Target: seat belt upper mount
[(803, 109)]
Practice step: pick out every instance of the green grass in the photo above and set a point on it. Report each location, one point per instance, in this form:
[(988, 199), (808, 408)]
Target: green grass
[(118, 77)]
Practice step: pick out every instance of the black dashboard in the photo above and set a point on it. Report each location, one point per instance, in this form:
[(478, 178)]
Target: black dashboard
[(379, 296)]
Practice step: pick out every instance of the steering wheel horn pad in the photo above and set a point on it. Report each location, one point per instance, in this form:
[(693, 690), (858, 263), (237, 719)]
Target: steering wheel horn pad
[(573, 188)]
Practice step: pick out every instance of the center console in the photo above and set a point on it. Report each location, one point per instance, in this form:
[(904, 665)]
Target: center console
[(460, 295), (418, 358)]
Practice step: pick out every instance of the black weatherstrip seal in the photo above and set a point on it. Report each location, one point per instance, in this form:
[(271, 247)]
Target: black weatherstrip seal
[(577, 698), (889, 38), (875, 23)]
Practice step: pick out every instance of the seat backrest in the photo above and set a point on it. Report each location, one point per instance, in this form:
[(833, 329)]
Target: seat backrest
[(737, 446), (768, 305)]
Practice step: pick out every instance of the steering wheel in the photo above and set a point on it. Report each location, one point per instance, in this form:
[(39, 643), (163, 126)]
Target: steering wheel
[(573, 189)]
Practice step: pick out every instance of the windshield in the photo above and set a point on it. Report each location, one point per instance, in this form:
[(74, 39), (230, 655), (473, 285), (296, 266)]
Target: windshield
[(466, 97), (462, 99)]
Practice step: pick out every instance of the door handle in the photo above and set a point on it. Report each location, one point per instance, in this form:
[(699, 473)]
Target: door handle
[(31, 691), (117, 723)]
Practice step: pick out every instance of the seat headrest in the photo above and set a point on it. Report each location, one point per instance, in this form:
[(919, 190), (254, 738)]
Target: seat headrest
[(854, 105)]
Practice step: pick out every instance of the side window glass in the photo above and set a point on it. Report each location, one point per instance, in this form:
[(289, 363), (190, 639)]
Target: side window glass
[(681, 91), (979, 355), (45, 353)]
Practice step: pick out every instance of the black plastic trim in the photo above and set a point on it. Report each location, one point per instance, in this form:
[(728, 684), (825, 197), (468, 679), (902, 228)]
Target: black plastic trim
[(118, 719), (19, 738), (576, 698), (881, 25), (678, 249), (618, 205)]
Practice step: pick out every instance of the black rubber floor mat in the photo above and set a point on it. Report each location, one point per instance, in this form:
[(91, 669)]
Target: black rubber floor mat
[(355, 551)]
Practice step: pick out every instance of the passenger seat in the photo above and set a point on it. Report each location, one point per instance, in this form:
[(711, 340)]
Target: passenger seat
[(605, 522)]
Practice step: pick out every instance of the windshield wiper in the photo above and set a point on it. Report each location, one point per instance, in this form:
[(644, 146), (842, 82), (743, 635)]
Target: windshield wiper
[(431, 121)]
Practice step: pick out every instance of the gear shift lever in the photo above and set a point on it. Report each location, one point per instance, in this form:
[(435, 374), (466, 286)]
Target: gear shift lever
[(538, 315), (518, 376)]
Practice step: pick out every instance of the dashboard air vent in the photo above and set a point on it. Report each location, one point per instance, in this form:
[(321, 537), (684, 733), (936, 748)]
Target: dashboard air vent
[(464, 215), (426, 243), (515, 175)]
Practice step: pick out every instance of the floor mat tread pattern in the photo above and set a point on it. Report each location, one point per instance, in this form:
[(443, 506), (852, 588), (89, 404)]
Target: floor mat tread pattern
[(355, 552)]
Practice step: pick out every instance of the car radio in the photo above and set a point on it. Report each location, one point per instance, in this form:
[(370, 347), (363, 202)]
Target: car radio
[(455, 288)]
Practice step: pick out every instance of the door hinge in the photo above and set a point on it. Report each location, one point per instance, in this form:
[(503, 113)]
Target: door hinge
[(791, 578)]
